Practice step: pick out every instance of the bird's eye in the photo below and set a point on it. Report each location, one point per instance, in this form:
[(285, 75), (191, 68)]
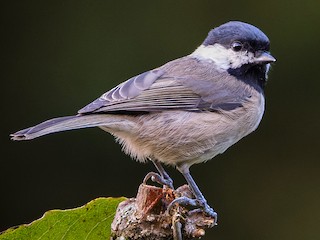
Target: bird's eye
[(236, 46)]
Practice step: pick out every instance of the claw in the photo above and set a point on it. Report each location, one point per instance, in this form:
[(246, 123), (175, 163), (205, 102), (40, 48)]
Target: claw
[(183, 201), (189, 202), (155, 177)]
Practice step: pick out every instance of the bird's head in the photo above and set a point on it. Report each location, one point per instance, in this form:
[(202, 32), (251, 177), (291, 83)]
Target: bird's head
[(238, 48)]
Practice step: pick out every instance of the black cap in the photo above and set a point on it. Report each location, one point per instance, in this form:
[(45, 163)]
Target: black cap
[(232, 31)]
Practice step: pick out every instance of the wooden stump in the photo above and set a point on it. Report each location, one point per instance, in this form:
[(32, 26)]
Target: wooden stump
[(146, 216)]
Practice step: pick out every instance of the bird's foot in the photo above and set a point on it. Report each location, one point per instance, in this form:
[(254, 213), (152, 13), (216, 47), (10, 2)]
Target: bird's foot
[(155, 177), (199, 205)]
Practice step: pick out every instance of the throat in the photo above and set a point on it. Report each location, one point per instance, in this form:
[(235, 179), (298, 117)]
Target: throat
[(254, 75)]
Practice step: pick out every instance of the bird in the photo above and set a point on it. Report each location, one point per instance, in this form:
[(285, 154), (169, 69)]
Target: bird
[(186, 111)]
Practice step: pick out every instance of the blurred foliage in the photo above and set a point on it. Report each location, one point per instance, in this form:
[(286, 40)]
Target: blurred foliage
[(57, 56)]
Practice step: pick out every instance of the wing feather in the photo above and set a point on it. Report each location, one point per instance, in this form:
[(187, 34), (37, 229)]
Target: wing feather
[(124, 91), (163, 94)]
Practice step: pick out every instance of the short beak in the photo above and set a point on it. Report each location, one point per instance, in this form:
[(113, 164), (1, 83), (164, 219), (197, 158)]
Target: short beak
[(263, 58)]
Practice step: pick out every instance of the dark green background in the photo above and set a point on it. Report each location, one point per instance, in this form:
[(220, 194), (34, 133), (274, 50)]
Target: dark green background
[(57, 56)]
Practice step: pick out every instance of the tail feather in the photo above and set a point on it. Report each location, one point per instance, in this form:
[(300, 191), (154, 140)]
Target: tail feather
[(65, 124)]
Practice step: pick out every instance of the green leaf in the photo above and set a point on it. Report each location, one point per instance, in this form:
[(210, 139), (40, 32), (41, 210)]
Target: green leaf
[(89, 222)]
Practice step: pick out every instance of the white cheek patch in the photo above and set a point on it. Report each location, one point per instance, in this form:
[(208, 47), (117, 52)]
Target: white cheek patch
[(224, 58), (237, 59)]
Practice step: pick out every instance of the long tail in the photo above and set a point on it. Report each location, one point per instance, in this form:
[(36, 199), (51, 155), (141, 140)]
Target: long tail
[(69, 123)]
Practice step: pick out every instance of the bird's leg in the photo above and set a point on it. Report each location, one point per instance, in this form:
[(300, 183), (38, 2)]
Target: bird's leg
[(200, 201), (162, 178)]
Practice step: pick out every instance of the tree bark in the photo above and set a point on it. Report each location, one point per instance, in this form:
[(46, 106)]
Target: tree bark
[(147, 216)]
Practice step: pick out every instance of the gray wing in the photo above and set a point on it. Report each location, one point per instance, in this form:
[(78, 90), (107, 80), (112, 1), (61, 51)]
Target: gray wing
[(146, 92), (157, 90)]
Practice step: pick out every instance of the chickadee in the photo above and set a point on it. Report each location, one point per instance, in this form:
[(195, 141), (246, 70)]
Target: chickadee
[(186, 111)]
